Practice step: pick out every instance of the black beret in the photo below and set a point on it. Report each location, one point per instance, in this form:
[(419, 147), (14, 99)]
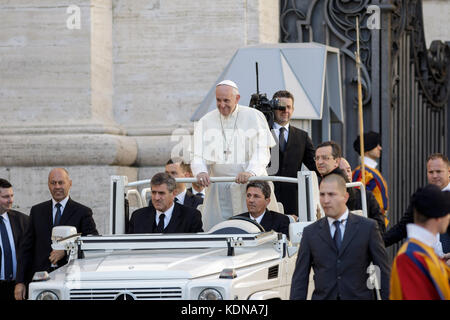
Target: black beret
[(371, 140), (431, 202)]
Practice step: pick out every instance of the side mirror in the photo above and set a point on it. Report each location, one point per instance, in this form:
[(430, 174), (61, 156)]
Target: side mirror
[(296, 231)]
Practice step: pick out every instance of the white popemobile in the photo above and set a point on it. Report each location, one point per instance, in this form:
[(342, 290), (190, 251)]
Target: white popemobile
[(236, 259)]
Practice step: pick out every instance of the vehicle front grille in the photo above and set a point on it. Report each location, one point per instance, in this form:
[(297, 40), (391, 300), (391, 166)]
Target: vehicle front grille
[(168, 293)]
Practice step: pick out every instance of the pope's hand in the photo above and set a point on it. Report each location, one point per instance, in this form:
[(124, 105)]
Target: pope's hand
[(243, 177), (203, 179)]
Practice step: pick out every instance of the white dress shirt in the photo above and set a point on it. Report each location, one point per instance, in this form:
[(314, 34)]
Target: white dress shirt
[(181, 196), (447, 188), (13, 247), (343, 219), (276, 129), (63, 206), (258, 219), (168, 215)]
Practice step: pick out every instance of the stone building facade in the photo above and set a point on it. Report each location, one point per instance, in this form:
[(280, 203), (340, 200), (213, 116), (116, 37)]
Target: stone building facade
[(100, 87)]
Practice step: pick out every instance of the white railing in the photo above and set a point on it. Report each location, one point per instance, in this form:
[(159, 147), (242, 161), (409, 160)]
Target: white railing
[(308, 195)]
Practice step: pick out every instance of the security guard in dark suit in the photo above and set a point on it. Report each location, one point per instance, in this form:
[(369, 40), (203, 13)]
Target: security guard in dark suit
[(13, 225)]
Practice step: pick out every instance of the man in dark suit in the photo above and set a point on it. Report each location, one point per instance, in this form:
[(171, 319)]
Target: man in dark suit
[(328, 158), (340, 248), (258, 198), (294, 148), (196, 188), (182, 195), (438, 173), (164, 215), (13, 225), (37, 253)]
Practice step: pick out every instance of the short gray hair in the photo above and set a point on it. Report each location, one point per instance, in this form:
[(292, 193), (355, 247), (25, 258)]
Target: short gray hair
[(164, 178)]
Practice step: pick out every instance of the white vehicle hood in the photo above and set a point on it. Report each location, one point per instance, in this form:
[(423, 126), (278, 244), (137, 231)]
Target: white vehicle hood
[(164, 264)]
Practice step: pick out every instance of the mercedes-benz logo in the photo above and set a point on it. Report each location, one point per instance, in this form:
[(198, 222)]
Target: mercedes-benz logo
[(125, 297)]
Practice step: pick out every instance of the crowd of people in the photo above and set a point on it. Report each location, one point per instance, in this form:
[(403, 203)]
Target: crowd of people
[(234, 140)]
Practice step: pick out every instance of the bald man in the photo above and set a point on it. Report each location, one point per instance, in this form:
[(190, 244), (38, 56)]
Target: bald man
[(37, 253)]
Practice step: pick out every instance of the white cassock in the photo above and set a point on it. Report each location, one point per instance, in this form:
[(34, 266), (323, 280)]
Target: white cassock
[(224, 147)]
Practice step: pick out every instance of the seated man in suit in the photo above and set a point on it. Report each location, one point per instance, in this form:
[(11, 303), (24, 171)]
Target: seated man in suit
[(182, 195), (37, 253), (339, 248), (13, 225), (164, 215), (258, 197), (196, 188)]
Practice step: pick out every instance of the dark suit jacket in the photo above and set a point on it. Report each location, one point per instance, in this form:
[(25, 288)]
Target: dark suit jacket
[(342, 273), (299, 149), (192, 191), (184, 220), (398, 232), (19, 224), (373, 208), (191, 200), (37, 243), (273, 221)]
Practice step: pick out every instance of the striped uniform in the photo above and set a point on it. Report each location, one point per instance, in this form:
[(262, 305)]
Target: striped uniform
[(377, 185), (419, 274)]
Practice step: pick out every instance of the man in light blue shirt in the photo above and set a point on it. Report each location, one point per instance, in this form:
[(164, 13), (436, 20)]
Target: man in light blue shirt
[(13, 225)]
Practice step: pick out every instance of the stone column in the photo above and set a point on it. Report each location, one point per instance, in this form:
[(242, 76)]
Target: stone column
[(56, 102), (99, 86)]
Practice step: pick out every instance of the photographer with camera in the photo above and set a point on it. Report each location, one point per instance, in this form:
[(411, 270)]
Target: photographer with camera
[(294, 146)]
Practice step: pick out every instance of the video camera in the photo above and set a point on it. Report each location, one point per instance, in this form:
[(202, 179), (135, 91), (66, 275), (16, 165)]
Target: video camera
[(260, 102)]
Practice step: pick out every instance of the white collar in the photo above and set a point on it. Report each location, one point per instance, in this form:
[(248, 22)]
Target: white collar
[(343, 219), (370, 162), (258, 219), (5, 216), (423, 235), (231, 116), (167, 213), (62, 202), (277, 126), (447, 188), (181, 196), (197, 192)]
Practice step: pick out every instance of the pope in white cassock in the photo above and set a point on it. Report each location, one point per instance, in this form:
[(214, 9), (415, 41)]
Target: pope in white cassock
[(232, 140)]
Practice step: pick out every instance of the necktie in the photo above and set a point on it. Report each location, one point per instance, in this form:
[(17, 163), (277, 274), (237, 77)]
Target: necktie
[(281, 139), (58, 214), (7, 252), (160, 226), (337, 235)]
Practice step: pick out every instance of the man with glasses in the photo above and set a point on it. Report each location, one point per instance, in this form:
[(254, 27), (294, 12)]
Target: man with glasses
[(328, 158)]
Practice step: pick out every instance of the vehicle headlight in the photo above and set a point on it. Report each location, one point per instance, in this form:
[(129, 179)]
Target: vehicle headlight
[(210, 294), (47, 295)]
